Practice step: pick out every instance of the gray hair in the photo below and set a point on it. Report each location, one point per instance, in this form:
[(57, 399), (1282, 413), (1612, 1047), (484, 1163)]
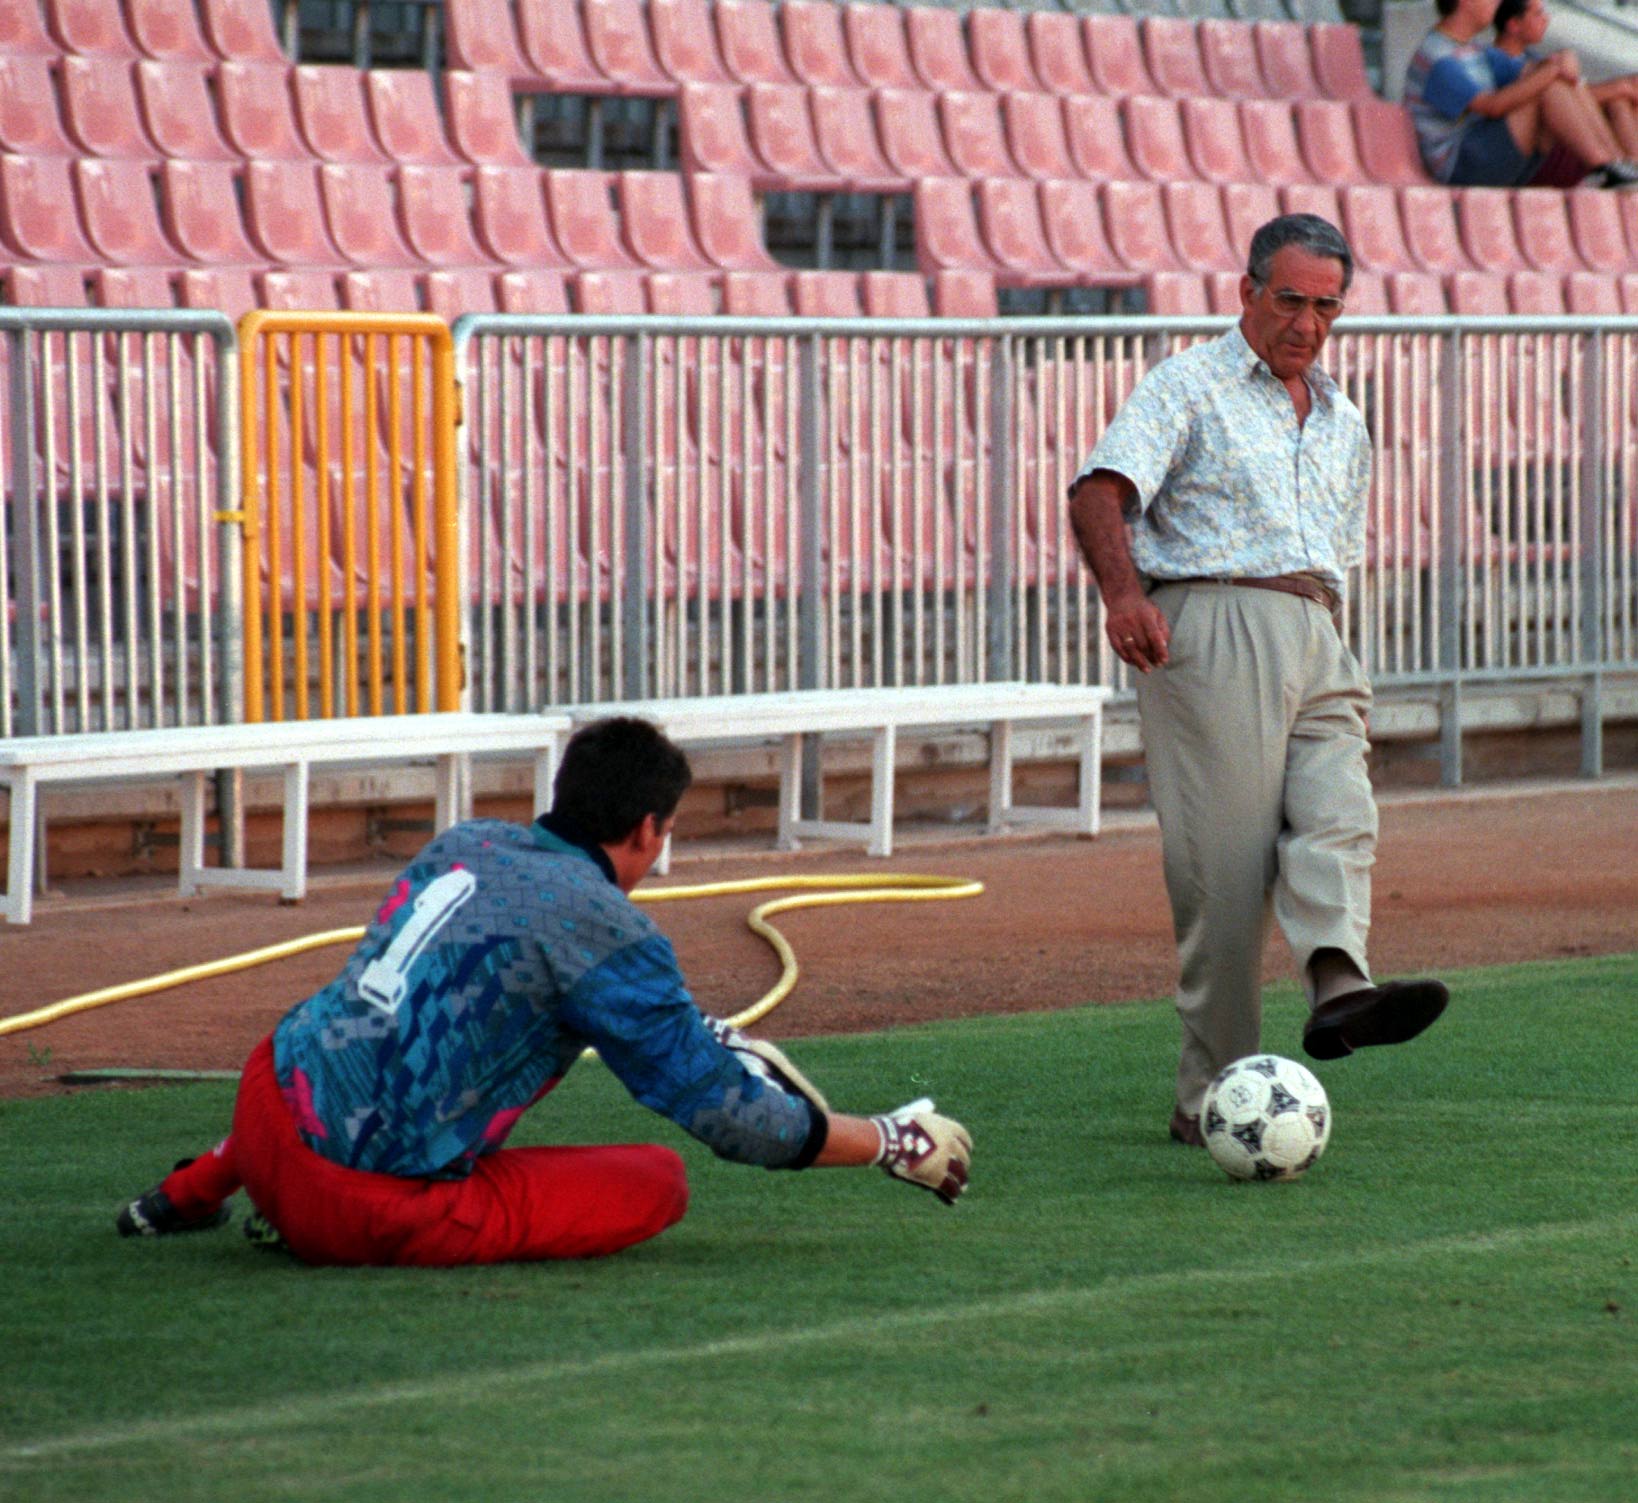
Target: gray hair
[(1308, 232)]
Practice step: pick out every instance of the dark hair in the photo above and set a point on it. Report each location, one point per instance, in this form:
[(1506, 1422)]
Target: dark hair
[(614, 774), (1445, 7), (1507, 12), (1319, 237)]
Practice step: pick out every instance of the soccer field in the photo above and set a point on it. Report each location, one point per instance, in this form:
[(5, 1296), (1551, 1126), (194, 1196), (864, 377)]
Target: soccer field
[(1443, 1309)]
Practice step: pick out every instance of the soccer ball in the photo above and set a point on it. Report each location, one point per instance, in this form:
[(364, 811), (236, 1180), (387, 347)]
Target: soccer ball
[(1265, 1117)]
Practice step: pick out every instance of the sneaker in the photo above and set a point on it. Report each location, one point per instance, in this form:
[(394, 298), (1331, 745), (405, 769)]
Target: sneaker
[(1620, 175), (152, 1214), (260, 1232)]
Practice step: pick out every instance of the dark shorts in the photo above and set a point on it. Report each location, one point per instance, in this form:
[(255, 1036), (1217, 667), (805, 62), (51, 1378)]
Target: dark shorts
[(1489, 157)]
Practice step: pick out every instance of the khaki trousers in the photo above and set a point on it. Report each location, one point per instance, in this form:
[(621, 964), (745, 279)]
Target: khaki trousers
[(1254, 736)]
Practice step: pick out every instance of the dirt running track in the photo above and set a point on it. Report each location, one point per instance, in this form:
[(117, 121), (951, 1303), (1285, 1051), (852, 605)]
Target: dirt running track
[(1488, 877)]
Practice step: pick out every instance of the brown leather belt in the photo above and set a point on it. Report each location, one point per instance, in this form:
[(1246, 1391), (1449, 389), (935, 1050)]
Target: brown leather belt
[(1306, 585)]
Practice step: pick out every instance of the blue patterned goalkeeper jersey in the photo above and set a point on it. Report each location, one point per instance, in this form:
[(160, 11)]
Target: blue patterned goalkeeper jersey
[(501, 953)]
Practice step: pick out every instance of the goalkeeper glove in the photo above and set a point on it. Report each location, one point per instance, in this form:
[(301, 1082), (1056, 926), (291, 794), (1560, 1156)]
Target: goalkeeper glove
[(922, 1148), (770, 1062)]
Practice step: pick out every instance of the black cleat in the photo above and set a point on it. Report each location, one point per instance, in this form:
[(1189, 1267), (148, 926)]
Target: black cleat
[(261, 1233), (152, 1214)]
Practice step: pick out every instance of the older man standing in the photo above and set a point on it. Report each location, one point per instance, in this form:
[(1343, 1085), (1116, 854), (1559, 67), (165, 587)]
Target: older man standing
[(1219, 513)]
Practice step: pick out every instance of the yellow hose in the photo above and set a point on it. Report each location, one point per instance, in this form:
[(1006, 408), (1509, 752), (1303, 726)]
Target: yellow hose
[(887, 887)]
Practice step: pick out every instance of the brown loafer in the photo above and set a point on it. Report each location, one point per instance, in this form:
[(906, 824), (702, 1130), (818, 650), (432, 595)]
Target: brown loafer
[(1185, 1129), (1386, 1014)]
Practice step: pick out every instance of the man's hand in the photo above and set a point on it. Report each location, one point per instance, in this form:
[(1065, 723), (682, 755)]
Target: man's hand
[(922, 1148), (1569, 65), (1138, 631), (770, 1062)]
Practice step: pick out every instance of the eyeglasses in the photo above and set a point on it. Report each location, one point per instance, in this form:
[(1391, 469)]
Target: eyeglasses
[(1289, 304)]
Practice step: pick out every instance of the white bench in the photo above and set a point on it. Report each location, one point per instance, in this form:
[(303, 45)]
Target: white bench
[(792, 717), (447, 739)]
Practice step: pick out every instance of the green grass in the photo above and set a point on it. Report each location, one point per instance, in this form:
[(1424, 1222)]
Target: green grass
[(1444, 1309)]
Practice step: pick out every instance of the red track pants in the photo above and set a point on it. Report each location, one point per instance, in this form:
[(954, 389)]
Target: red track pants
[(518, 1204)]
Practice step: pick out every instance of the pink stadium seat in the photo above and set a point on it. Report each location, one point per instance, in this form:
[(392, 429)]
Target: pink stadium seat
[(685, 41), (748, 38), (1282, 52), (468, 289), (1429, 217), (1035, 135), (1223, 292), (1175, 294), (1536, 293), (845, 132), (1629, 220), (1246, 208), (199, 204), (482, 126), (100, 109), (682, 294), (362, 216), (1339, 60), (30, 125), (1416, 294), (134, 287), (22, 31), (912, 140), (1387, 143), (959, 293), (119, 213), (1154, 134), (756, 294), (332, 116), (1270, 134), (479, 36), (947, 228), (509, 216), (1198, 230), (826, 294), (1211, 131), (552, 44), (90, 28), (1541, 223), (894, 294), (1058, 51), (1325, 132), (382, 290), (170, 32), (1595, 224), (257, 113), (35, 195), (308, 290), (712, 133), (815, 45), (543, 292), (1629, 291), (726, 223), (1228, 56), (1134, 214), (174, 98), (654, 213), (974, 135), (1484, 219), (1009, 220), (877, 46), (1000, 50), (285, 215), (1481, 294), (583, 218), (1173, 54), (1114, 53), (1592, 294), (1370, 220), (1368, 295), (1311, 198), (1097, 141), (403, 109), (781, 131), (617, 293), (437, 221), (241, 31), (46, 287), (617, 38), (1073, 223), (938, 48), (226, 289)]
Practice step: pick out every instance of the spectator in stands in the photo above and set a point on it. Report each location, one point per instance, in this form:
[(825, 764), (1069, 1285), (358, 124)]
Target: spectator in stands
[(1520, 26), (1475, 132), (369, 1124), (1220, 513)]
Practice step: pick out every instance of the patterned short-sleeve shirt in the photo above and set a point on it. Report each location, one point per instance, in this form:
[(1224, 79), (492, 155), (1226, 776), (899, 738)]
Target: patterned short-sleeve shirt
[(1228, 481)]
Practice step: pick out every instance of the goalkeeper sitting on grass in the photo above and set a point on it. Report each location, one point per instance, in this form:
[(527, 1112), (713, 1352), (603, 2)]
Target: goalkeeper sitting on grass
[(368, 1126)]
